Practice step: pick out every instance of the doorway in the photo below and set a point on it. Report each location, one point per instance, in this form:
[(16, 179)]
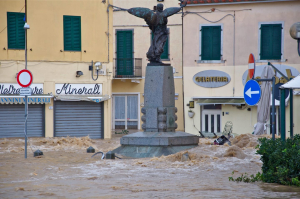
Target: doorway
[(211, 119)]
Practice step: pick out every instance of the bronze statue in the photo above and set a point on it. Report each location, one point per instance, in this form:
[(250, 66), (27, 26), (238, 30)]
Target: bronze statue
[(157, 21)]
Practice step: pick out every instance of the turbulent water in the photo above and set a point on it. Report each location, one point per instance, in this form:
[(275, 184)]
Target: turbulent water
[(67, 171)]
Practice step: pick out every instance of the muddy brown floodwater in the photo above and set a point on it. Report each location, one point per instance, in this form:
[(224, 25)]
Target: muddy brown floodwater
[(67, 171)]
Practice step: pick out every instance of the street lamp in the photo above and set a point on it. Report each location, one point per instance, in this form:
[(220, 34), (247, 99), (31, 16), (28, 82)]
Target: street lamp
[(26, 27), (295, 34)]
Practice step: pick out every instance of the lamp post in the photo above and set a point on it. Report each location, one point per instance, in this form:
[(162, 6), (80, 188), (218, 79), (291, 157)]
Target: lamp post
[(295, 34), (26, 27)]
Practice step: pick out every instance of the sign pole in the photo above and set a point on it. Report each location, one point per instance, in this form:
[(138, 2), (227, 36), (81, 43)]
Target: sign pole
[(26, 98), (26, 109), (25, 130), (273, 108), (282, 114), (291, 114)]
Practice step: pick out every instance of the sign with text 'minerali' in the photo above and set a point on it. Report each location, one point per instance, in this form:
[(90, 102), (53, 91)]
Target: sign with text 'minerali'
[(78, 89), (211, 78)]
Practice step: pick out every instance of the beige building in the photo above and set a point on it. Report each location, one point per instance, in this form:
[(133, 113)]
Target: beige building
[(218, 38), (132, 38), (63, 40)]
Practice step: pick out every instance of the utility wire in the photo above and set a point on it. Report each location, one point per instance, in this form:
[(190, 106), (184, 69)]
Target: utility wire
[(187, 12)]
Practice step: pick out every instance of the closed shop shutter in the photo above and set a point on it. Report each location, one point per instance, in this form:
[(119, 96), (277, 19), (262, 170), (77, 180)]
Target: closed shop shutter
[(12, 119), (78, 119)]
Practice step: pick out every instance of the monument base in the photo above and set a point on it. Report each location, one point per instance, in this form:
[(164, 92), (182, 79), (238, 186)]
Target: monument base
[(129, 151), (155, 144)]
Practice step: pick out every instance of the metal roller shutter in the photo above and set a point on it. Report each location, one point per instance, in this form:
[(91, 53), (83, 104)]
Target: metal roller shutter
[(78, 119), (12, 119)]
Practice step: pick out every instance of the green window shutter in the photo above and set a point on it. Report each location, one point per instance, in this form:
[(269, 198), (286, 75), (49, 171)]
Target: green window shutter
[(270, 41), (15, 30), (211, 43), (165, 54), (124, 53), (72, 33)]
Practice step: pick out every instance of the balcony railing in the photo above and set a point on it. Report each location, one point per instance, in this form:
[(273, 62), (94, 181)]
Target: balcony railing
[(127, 67)]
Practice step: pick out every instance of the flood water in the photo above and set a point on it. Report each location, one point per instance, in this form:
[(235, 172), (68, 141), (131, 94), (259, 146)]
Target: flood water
[(67, 171)]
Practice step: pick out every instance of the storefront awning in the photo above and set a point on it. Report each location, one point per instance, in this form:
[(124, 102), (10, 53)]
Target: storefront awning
[(32, 99), (292, 84), (219, 100), (89, 98)]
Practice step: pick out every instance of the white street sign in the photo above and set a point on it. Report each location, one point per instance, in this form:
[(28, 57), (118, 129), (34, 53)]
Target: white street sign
[(25, 91)]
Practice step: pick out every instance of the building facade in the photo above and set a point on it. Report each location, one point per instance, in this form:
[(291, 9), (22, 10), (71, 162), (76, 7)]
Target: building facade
[(132, 39), (218, 39), (65, 38)]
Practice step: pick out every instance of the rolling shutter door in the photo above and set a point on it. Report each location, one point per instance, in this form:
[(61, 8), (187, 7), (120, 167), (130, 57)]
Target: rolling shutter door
[(12, 119), (78, 119)]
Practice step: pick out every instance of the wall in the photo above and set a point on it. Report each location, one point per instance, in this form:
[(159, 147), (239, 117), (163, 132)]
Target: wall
[(48, 65), (235, 62), (45, 36)]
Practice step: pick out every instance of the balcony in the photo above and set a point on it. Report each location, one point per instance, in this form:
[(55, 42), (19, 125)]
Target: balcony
[(127, 68)]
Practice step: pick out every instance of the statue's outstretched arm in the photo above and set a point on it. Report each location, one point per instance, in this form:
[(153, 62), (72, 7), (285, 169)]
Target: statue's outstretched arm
[(170, 11), (140, 12)]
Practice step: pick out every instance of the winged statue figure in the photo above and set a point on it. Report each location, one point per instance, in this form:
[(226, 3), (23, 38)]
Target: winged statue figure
[(157, 22)]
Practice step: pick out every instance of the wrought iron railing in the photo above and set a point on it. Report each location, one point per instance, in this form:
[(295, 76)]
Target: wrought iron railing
[(127, 67)]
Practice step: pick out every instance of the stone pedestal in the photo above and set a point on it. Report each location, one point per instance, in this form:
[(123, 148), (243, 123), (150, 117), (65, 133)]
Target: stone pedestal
[(159, 136)]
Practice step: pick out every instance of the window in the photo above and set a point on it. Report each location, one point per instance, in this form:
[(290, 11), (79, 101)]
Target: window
[(126, 111), (270, 41), (210, 48), (72, 33), (124, 46), (15, 30), (165, 54)]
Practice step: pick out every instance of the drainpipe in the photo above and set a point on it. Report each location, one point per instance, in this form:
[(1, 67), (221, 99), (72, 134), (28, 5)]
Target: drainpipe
[(233, 50), (108, 31)]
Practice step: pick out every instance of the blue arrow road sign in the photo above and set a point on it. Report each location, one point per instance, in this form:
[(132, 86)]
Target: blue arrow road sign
[(252, 92)]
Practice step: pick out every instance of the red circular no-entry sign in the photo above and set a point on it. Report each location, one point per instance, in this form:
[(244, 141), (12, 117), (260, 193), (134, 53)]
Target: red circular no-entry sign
[(251, 66), (24, 78)]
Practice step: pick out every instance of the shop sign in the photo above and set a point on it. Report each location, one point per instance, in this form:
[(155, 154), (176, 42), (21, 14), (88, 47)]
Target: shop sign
[(78, 89), (288, 71), (14, 89), (21, 100), (211, 78)]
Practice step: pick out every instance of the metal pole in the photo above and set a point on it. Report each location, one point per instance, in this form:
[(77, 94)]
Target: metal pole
[(273, 108), (282, 114), (26, 114), (291, 114), (26, 104)]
